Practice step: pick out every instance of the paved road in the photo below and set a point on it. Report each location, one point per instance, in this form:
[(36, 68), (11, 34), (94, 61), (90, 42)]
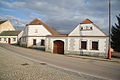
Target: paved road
[(101, 69)]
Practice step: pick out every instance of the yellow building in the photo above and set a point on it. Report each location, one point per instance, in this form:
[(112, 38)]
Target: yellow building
[(5, 25)]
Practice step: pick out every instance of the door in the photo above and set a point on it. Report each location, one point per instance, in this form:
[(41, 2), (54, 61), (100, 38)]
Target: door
[(9, 40), (34, 41), (58, 47)]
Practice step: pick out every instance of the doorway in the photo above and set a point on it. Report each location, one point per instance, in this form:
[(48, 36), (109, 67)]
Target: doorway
[(58, 47), (9, 40)]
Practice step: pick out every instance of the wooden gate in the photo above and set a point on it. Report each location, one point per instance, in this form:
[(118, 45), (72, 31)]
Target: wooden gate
[(9, 40), (58, 47)]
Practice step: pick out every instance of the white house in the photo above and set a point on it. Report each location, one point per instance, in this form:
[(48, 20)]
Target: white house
[(85, 39), (11, 37), (35, 33), (8, 34)]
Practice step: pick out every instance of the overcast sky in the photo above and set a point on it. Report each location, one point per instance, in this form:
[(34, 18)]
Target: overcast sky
[(63, 15)]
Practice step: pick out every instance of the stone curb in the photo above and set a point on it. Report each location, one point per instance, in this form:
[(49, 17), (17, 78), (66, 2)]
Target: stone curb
[(95, 58)]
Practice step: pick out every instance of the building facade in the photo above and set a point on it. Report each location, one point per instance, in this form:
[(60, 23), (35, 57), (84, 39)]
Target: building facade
[(35, 33), (86, 39), (8, 34), (11, 37)]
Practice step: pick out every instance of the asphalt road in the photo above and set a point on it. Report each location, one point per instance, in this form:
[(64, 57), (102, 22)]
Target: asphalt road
[(102, 69)]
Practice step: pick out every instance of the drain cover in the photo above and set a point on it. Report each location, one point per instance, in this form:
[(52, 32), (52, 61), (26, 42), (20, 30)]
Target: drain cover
[(24, 64), (43, 63)]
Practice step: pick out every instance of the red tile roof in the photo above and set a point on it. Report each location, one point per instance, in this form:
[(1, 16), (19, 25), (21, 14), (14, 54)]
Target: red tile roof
[(38, 22), (87, 21)]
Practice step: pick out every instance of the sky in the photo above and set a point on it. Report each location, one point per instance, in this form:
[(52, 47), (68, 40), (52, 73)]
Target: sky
[(62, 15)]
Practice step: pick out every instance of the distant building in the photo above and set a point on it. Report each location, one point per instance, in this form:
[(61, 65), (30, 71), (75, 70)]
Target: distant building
[(86, 39), (8, 34), (11, 37), (6, 26)]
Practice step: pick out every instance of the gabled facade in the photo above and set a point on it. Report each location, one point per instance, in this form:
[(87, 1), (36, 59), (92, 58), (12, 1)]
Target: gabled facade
[(85, 39), (35, 33), (6, 26)]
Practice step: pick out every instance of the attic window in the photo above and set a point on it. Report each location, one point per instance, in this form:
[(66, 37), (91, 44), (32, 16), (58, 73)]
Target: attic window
[(91, 28), (81, 28), (86, 28)]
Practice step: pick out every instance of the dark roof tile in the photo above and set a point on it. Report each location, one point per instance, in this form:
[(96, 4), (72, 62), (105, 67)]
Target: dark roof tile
[(2, 21), (9, 33)]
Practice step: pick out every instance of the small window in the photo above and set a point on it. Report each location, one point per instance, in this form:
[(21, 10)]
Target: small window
[(4, 39), (91, 28), (42, 42), (34, 41), (83, 44), (94, 45), (14, 39), (87, 27), (36, 31), (81, 28)]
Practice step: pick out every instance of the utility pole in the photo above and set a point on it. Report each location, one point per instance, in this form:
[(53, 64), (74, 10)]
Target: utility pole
[(109, 45)]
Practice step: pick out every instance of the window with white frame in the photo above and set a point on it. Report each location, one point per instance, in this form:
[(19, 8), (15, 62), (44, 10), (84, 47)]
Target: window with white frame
[(94, 45), (4, 39), (83, 44), (42, 42), (14, 39)]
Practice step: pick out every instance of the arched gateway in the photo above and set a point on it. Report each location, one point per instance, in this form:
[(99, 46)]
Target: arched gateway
[(58, 47)]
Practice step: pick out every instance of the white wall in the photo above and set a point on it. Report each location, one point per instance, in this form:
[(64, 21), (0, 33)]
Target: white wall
[(31, 32), (94, 32), (72, 45), (37, 30), (11, 37), (38, 41), (102, 43), (50, 43)]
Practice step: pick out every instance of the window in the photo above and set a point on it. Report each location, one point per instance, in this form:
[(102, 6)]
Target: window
[(81, 28), (86, 28), (14, 39), (42, 42), (34, 41), (36, 31), (94, 45), (4, 39), (91, 28), (83, 44)]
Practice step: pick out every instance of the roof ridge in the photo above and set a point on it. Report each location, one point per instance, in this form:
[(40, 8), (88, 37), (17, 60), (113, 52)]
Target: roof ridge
[(2, 21), (86, 21)]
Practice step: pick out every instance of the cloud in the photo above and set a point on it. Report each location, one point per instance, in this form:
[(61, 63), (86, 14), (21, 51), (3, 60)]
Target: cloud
[(5, 9), (65, 14), (17, 22)]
